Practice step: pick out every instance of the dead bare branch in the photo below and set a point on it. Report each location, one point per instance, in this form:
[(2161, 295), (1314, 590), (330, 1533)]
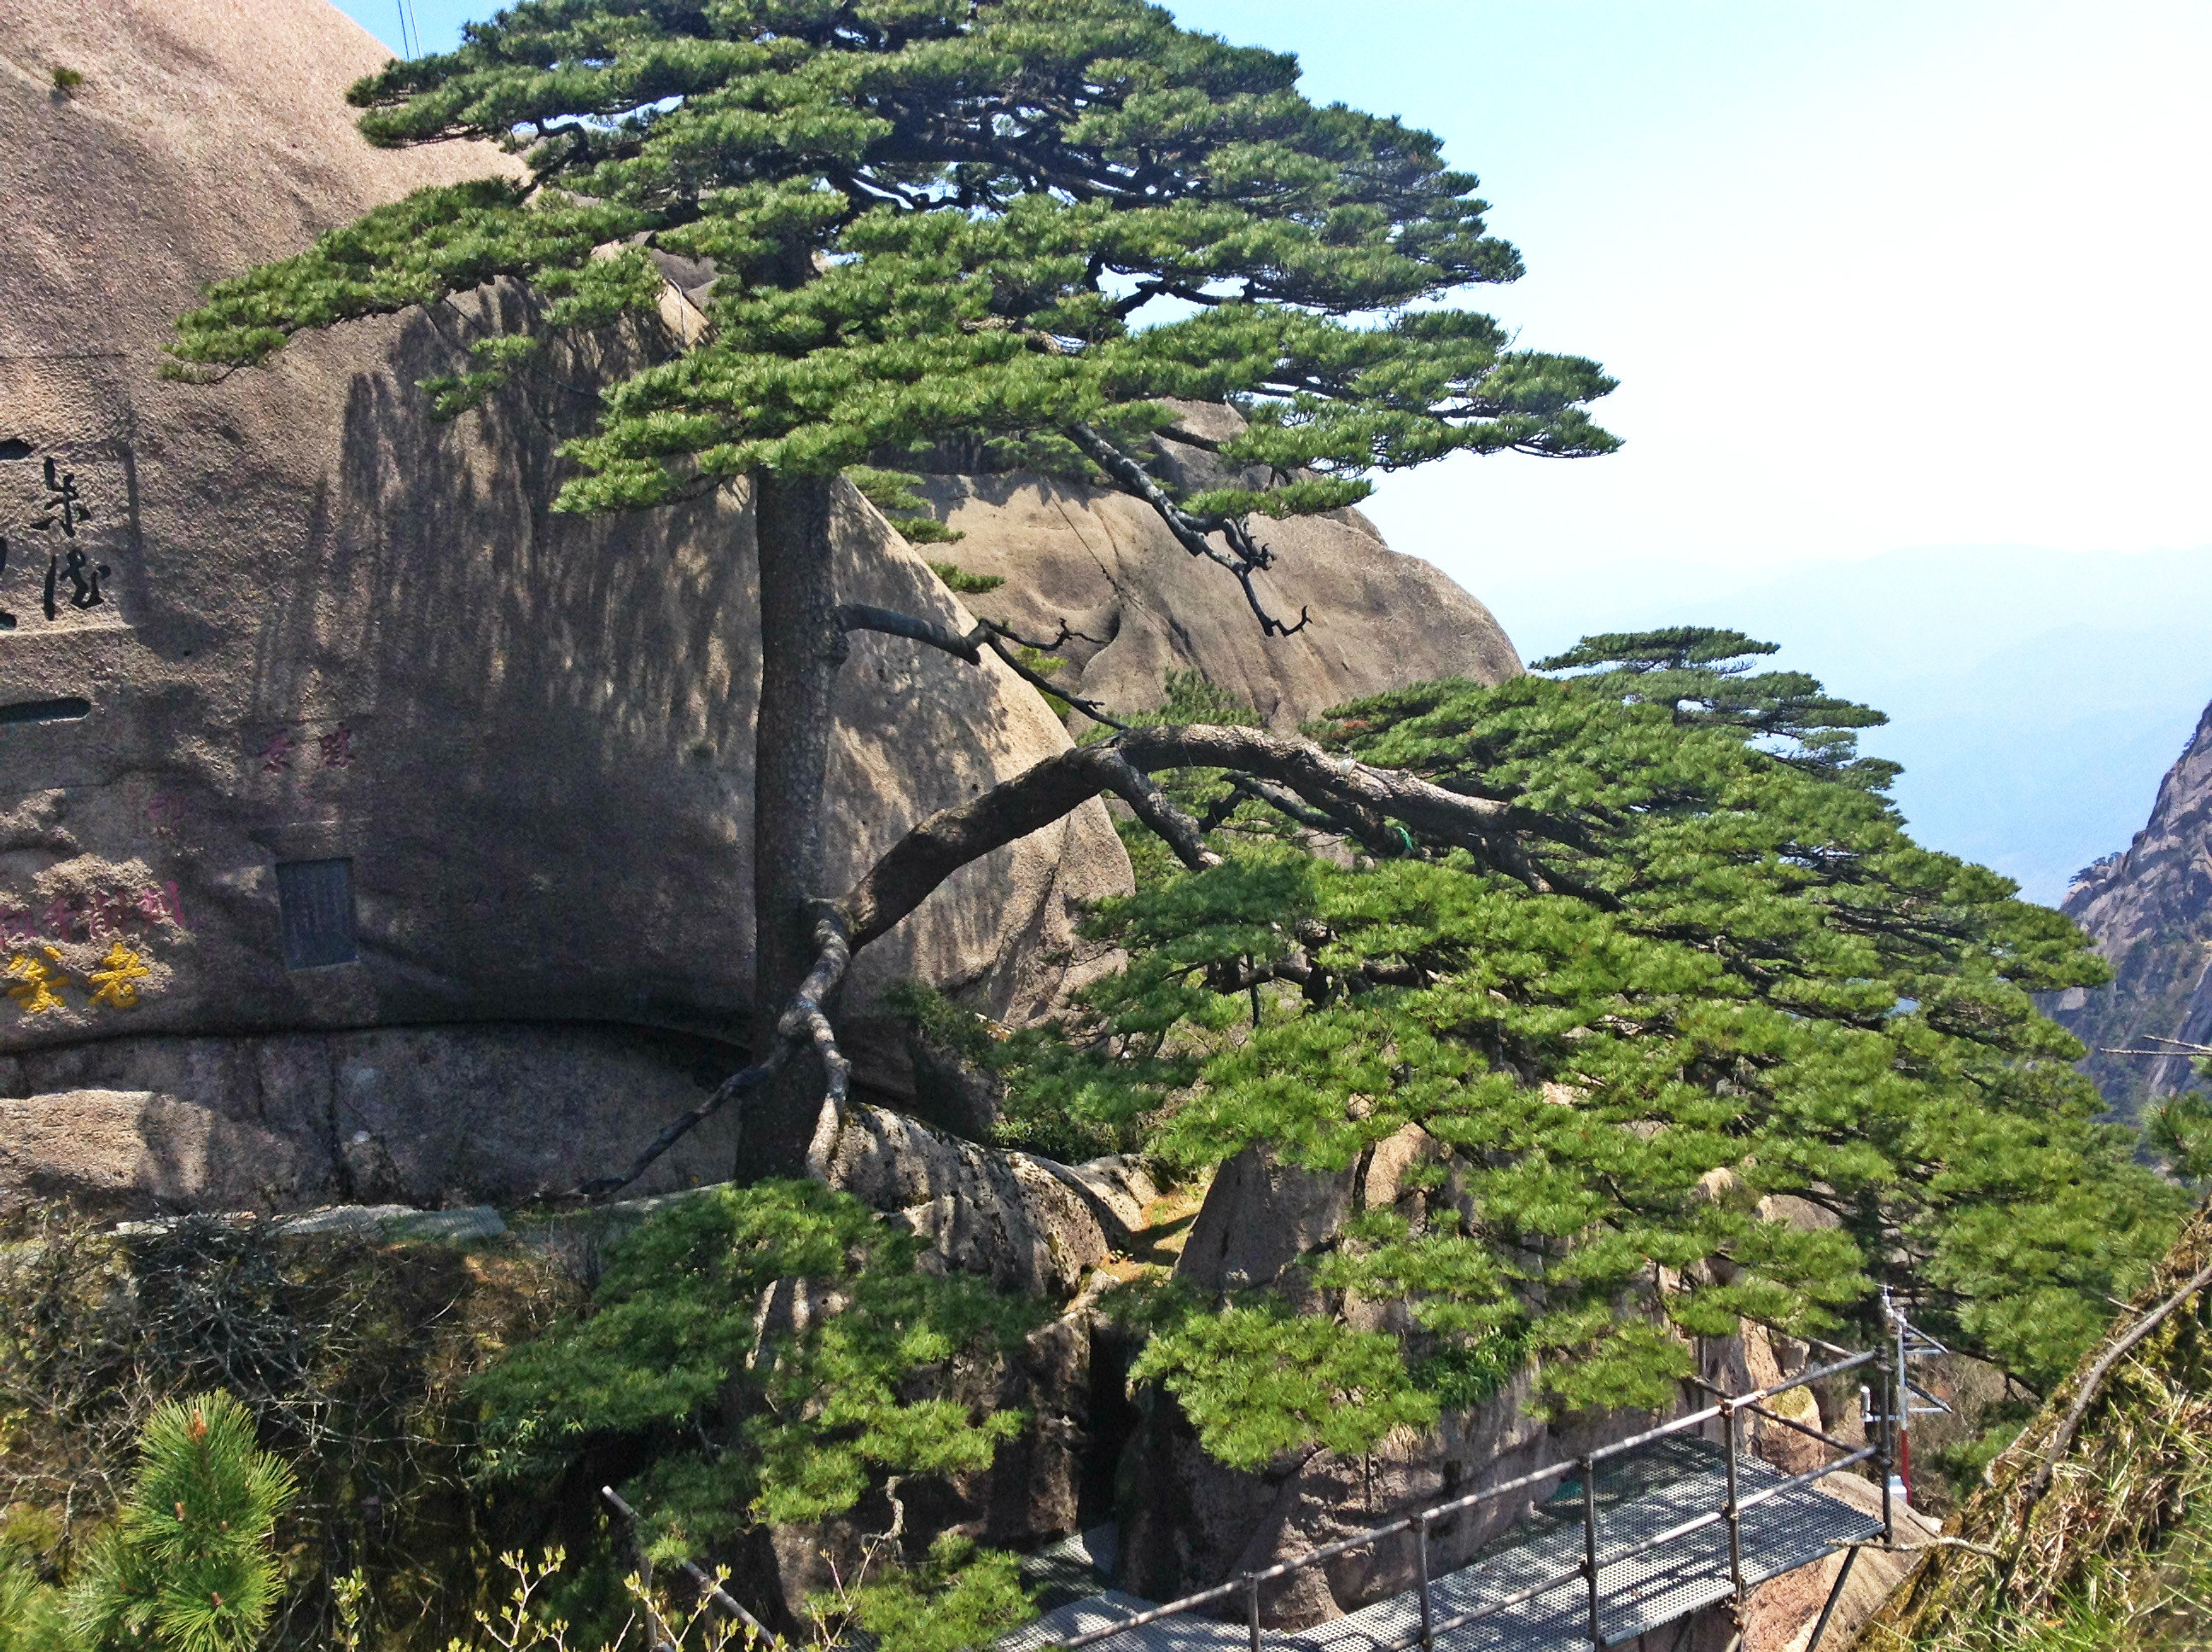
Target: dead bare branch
[(860, 617), (1244, 558)]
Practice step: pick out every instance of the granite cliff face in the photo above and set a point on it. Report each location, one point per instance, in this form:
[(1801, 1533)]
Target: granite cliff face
[(2149, 911), (316, 726), (356, 808), (1138, 605)]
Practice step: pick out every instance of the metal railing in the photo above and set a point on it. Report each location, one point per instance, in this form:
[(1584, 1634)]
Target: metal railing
[(1727, 1410)]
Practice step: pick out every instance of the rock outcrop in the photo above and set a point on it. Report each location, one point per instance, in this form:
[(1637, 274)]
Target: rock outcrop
[(1139, 605), (2149, 911), (312, 716), (1189, 1522), (315, 721)]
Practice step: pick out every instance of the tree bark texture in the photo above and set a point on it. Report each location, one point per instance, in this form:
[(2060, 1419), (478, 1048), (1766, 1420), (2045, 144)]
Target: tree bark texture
[(802, 646)]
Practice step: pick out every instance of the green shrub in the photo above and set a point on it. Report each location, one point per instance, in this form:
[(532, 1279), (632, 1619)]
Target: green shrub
[(769, 1355), (32, 1618)]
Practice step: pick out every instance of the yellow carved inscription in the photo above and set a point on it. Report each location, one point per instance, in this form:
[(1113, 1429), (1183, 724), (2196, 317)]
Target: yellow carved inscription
[(36, 980), (116, 982)]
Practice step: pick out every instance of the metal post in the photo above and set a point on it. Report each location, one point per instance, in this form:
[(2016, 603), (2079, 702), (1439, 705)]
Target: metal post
[(1904, 1452), (1836, 1593), (1252, 1610), (1728, 1428), (1882, 1454), (1421, 1566), (1589, 1544)]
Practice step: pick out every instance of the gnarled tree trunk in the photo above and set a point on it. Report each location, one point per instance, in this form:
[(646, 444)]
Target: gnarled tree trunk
[(801, 649)]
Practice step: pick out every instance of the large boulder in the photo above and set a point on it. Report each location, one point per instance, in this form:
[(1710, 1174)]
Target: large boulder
[(1139, 605), (328, 728), (357, 733)]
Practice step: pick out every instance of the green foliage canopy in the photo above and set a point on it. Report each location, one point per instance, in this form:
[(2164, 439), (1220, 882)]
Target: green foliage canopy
[(932, 219), (1709, 969)]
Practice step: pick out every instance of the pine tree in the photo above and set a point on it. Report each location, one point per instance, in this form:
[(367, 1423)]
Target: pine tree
[(32, 1618), (1697, 965), (931, 222), (187, 1565), (767, 1355)]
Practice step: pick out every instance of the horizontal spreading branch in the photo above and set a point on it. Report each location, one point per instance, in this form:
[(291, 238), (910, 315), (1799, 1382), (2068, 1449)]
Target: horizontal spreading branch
[(860, 617), (919, 863), (988, 634)]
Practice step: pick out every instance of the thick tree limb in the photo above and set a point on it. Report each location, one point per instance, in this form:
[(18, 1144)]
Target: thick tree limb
[(913, 867), (803, 1020), (860, 617), (1286, 802), (940, 846)]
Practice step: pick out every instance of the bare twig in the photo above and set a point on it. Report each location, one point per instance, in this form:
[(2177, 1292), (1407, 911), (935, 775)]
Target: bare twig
[(707, 1586), (1244, 558), (2094, 1381)]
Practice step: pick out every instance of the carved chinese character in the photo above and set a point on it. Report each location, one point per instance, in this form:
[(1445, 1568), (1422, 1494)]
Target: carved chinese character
[(36, 980), (69, 564), (162, 906), (116, 982), (276, 756), (84, 585), (336, 748), (64, 509)]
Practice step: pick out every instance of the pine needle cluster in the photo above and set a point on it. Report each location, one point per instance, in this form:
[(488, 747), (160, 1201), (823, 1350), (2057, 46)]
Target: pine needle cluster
[(188, 1567), (769, 1355), (1019, 224)]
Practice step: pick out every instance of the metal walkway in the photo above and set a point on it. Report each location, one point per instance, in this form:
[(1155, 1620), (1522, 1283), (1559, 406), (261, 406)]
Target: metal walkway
[(1641, 1587), (1626, 1540)]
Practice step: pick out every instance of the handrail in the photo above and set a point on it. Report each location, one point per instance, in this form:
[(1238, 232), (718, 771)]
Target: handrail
[(1593, 1562)]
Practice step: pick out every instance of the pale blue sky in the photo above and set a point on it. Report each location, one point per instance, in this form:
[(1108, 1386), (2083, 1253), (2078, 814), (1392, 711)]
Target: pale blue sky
[(1875, 277)]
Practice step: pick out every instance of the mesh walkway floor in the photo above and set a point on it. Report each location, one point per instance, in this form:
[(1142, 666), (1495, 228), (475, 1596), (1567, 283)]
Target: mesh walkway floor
[(1675, 1481)]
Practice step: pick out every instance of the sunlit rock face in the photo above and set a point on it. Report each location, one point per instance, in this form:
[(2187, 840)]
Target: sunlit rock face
[(1136, 605), (337, 772), (2149, 911), (313, 717)]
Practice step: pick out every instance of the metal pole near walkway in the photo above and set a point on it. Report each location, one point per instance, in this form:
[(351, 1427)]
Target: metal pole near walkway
[(1589, 1545)]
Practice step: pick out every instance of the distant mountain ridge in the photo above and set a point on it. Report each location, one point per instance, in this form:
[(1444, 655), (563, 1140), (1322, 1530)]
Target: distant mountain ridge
[(2149, 910)]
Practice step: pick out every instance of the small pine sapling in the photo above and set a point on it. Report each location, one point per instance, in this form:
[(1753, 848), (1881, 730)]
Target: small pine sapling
[(32, 1617), (188, 1567)]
